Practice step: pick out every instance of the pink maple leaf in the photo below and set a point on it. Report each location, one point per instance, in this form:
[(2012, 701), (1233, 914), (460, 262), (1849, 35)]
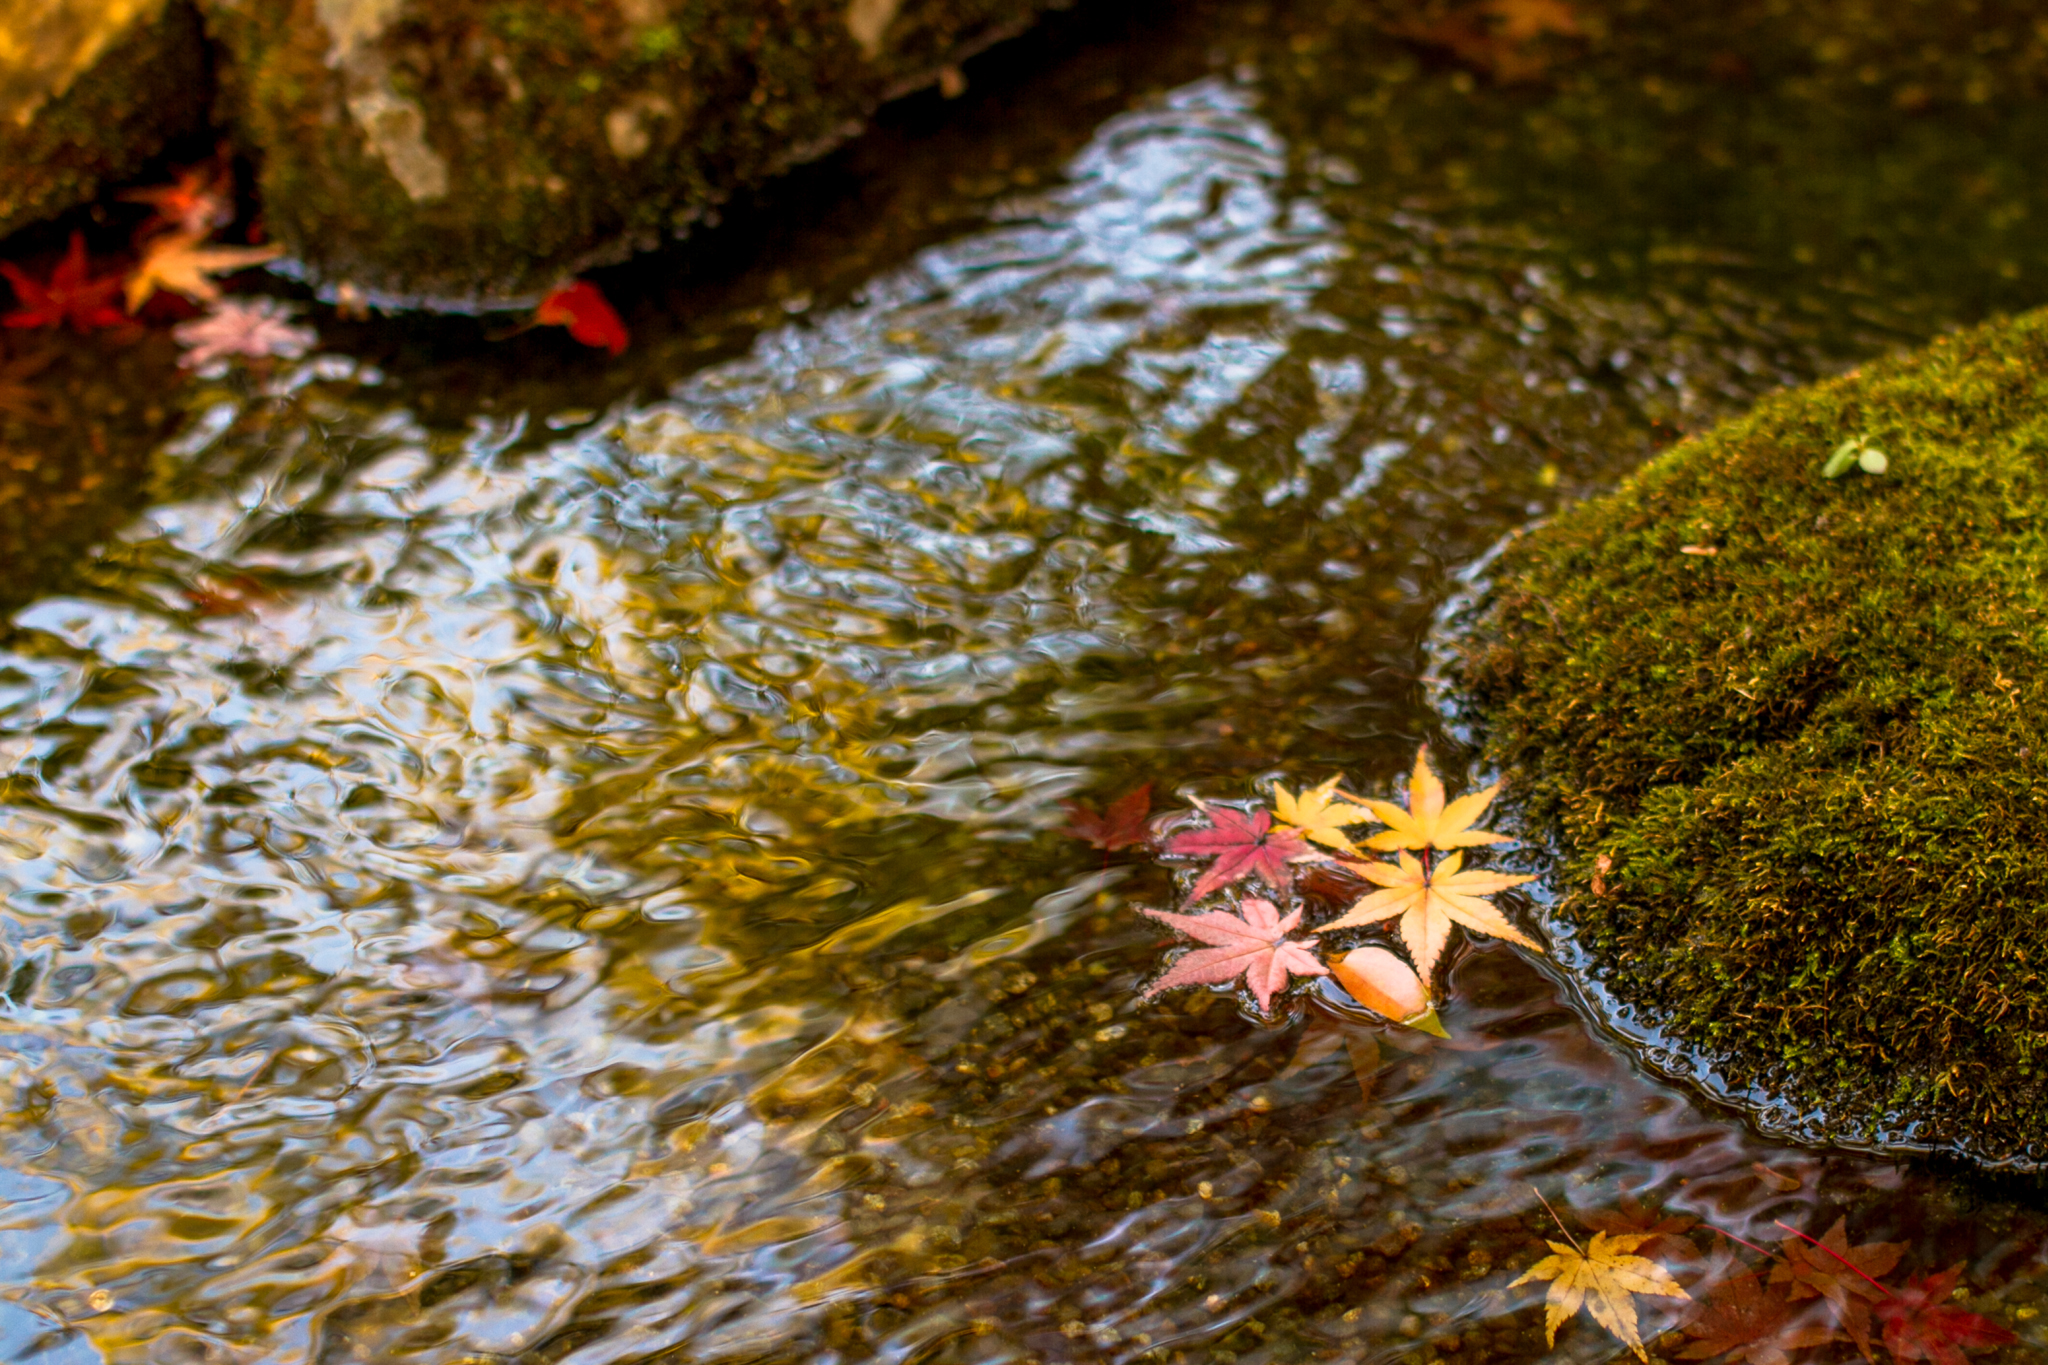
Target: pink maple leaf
[(1255, 947), (257, 327), (1243, 845)]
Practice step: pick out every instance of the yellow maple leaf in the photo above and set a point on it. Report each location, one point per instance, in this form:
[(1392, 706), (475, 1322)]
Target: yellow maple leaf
[(1428, 822), (1429, 901), (177, 262), (1604, 1280), (1319, 815)]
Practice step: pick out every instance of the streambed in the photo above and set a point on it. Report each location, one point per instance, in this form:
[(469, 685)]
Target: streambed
[(512, 858)]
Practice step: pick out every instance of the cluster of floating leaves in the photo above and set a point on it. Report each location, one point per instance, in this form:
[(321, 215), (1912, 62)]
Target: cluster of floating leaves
[(1814, 1292), (176, 255), (1427, 889)]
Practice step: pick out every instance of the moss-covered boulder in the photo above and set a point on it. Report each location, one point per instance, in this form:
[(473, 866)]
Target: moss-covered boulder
[(1789, 735), (89, 91), (471, 149)]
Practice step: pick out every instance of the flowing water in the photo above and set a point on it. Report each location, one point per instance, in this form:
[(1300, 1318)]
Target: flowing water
[(516, 860)]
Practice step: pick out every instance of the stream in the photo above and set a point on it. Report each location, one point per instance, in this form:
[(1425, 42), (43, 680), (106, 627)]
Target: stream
[(516, 857)]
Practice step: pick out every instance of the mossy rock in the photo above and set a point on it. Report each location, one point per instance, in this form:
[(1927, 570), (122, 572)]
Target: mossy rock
[(1788, 736), (89, 91), (483, 149)]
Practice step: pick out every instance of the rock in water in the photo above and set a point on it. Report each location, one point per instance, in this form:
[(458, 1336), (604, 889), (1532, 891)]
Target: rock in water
[(472, 150), (1790, 737), (89, 91)]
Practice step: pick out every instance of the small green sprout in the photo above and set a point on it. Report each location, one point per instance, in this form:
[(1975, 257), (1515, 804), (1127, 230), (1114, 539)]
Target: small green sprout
[(1858, 452)]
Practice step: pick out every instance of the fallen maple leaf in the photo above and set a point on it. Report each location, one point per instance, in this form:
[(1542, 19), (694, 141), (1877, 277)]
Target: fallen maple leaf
[(1255, 947), (1665, 1231), (1428, 822), (583, 309), (1121, 825), (258, 328), (1429, 901), (1388, 986), (1604, 1280), (1744, 1319), (1242, 845), (1920, 1323), (1319, 815), (197, 202), (1845, 1276), (176, 261), (69, 295)]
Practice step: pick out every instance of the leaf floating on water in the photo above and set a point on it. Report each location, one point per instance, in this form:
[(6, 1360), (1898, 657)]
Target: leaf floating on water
[(1389, 987), (1746, 1321), (1429, 902), (1604, 1280), (259, 328), (1243, 846), (582, 307), (1319, 815), (176, 261), (1428, 822), (1255, 947), (1921, 1324), (199, 201), (71, 295), (1121, 825)]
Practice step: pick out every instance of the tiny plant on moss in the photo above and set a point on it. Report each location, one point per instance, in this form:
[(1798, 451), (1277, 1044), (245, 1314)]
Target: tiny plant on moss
[(1858, 452)]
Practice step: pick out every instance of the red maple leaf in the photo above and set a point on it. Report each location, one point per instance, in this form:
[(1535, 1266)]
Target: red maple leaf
[(1920, 1324), (69, 295), (1745, 1321), (1242, 845), (1255, 947), (582, 308), (1122, 825), (1846, 1276)]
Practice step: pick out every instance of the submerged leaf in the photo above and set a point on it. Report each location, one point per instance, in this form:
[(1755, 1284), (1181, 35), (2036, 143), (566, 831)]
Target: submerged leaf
[(1749, 1322), (1121, 825), (1844, 1275), (1921, 1324)]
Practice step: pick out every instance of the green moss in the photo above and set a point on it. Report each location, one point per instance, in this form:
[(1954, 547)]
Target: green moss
[(1800, 781), (150, 85)]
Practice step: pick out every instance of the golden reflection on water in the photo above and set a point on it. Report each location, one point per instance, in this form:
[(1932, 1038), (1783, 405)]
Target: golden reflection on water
[(594, 892)]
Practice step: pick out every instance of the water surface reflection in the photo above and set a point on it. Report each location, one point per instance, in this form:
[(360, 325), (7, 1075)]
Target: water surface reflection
[(587, 889)]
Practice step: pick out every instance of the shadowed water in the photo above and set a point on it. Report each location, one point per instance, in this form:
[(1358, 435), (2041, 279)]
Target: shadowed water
[(579, 879)]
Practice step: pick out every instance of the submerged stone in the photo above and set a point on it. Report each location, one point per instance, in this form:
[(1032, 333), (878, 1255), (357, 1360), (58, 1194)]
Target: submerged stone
[(477, 149), (89, 91), (1790, 735)]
